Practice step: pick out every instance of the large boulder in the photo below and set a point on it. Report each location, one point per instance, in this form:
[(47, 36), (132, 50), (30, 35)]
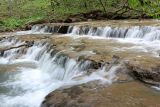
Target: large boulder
[(130, 94)]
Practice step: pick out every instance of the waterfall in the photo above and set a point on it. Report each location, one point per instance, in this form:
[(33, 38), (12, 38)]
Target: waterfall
[(38, 70), (37, 29), (146, 38), (145, 33)]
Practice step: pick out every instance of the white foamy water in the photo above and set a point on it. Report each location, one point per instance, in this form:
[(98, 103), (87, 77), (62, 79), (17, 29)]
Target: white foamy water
[(144, 39), (35, 30), (3, 61), (156, 87), (147, 33), (10, 42), (28, 86)]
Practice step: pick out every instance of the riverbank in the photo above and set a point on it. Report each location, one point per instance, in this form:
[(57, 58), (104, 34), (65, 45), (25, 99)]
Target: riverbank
[(19, 14), (15, 24)]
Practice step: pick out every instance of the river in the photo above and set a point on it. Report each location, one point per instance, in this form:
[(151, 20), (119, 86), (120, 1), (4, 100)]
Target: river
[(27, 75)]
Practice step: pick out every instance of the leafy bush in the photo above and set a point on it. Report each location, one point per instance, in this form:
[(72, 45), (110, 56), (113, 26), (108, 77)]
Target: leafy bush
[(13, 22), (150, 7), (20, 12)]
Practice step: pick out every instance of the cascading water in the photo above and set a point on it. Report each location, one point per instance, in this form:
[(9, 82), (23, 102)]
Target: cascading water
[(27, 75), (37, 29), (146, 38), (147, 33), (34, 72)]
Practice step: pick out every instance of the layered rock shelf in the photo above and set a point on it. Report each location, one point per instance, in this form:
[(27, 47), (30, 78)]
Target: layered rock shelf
[(137, 73)]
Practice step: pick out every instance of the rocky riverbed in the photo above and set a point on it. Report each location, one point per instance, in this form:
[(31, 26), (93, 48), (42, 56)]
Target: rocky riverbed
[(128, 68)]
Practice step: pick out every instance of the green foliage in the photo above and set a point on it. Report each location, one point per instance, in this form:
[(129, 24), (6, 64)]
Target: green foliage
[(150, 7), (19, 12), (22, 12), (12, 22), (63, 8), (134, 3)]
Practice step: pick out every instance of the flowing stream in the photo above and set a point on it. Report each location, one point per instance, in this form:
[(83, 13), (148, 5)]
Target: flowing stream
[(28, 75), (145, 38)]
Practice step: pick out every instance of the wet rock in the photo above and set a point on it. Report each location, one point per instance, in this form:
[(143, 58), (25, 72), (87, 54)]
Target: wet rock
[(1, 52), (122, 75), (92, 94), (149, 76), (72, 19), (29, 43), (53, 53), (115, 61), (28, 27), (63, 29), (78, 47), (93, 65), (96, 65), (69, 97)]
